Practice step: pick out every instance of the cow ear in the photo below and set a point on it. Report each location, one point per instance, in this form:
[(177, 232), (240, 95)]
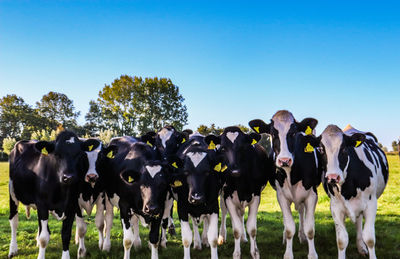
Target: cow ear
[(90, 145), (45, 147), (110, 151), (259, 126), (212, 141), (149, 138), (307, 125), (354, 140), (188, 131), (254, 138), (129, 176), (175, 162)]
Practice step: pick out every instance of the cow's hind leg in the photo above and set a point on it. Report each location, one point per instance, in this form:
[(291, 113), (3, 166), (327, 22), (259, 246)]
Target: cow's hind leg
[(169, 202), (237, 224), (290, 227), (109, 221), (369, 227), (222, 229), (137, 243), (252, 226), (301, 235), (361, 247), (309, 224), (196, 234), (14, 225), (81, 229), (204, 234), (99, 218)]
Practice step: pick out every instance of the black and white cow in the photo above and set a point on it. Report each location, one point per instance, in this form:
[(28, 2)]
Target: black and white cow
[(197, 185), (44, 175), (297, 174), (91, 192), (248, 171), (355, 175), (137, 183)]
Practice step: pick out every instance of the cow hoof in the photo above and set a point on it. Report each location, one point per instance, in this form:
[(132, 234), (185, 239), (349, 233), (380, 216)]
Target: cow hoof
[(221, 240), (302, 237), (197, 246), (204, 241), (236, 255), (171, 230), (255, 254), (288, 256), (106, 246), (81, 252), (362, 248), (12, 253), (163, 244), (137, 244)]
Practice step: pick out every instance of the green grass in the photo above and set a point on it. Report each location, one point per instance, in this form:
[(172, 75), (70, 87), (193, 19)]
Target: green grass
[(269, 236)]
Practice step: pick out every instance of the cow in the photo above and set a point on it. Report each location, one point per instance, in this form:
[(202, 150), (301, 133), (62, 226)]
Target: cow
[(297, 174), (91, 192), (44, 175), (248, 169), (355, 174), (197, 185), (137, 183)]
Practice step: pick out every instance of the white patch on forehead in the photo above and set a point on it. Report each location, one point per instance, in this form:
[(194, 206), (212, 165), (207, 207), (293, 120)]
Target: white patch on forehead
[(197, 157), (71, 140), (164, 135), (92, 158), (153, 170), (232, 136)]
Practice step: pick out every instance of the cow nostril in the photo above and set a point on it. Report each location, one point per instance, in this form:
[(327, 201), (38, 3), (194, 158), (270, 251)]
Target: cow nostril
[(67, 178), (285, 162)]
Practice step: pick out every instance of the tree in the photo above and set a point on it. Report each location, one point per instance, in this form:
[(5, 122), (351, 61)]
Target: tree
[(131, 105), (58, 109), (106, 135), (94, 119), (395, 146), (8, 145), (204, 130)]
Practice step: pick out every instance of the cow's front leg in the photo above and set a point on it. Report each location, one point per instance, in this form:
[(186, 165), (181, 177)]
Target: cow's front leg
[(154, 236), (43, 236), (252, 227), (99, 219), (204, 235), (369, 227), (13, 224), (137, 243), (66, 233), (222, 229), (212, 234), (309, 224), (302, 235), (342, 237), (169, 202), (127, 231), (81, 229), (361, 247), (109, 221), (237, 224), (186, 238), (290, 227)]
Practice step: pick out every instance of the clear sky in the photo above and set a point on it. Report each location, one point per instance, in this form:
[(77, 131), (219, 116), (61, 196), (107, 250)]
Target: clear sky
[(233, 61)]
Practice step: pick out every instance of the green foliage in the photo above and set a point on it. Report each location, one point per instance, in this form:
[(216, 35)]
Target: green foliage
[(131, 105), (106, 135), (395, 145), (205, 130), (8, 145), (44, 135)]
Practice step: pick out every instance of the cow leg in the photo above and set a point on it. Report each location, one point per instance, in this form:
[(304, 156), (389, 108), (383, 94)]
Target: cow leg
[(361, 247), (168, 205), (137, 243), (154, 237), (81, 229), (196, 234), (302, 236), (186, 238), (243, 238), (43, 236), (237, 224), (127, 234), (309, 224), (204, 234), (14, 225), (171, 226), (66, 230), (369, 227), (212, 234), (109, 222), (222, 229), (99, 219), (252, 226), (342, 237), (288, 222)]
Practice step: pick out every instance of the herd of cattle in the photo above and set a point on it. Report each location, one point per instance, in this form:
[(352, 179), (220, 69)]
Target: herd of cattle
[(143, 176)]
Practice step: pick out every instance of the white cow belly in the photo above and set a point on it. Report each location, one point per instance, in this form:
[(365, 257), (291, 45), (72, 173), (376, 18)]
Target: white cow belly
[(294, 193)]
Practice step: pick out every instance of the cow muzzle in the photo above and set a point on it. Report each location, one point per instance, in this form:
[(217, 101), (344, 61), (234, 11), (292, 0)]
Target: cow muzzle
[(235, 173), (151, 209), (333, 179), (196, 198), (91, 178), (67, 179), (284, 162)]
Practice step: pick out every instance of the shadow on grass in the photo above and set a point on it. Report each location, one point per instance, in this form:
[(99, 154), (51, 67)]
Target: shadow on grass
[(269, 239)]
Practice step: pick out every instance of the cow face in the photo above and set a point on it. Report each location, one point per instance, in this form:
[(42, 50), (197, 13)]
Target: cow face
[(66, 153), (234, 145), (335, 147), (92, 148), (283, 129), (168, 141)]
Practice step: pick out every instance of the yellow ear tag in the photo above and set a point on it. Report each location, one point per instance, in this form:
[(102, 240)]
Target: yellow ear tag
[(358, 142), (254, 142), (90, 147), (257, 129), (177, 183), (130, 179), (211, 145), (148, 143), (224, 168), (44, 151), (308, 130), (183, 140), (174, 165), (308, 148), (110, 155), (217, 167)]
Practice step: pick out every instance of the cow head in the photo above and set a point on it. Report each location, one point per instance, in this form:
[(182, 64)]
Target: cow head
[(335, 147), (66, 153), (168, 140), (234, 146), (92, 148), (283, 129), (142, 170)]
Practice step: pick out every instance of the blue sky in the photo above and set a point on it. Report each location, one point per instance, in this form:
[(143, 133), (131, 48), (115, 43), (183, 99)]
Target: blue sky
[(233, 60)]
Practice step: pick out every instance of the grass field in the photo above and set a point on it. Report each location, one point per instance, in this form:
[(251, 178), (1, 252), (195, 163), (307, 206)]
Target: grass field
[(269, 236)]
